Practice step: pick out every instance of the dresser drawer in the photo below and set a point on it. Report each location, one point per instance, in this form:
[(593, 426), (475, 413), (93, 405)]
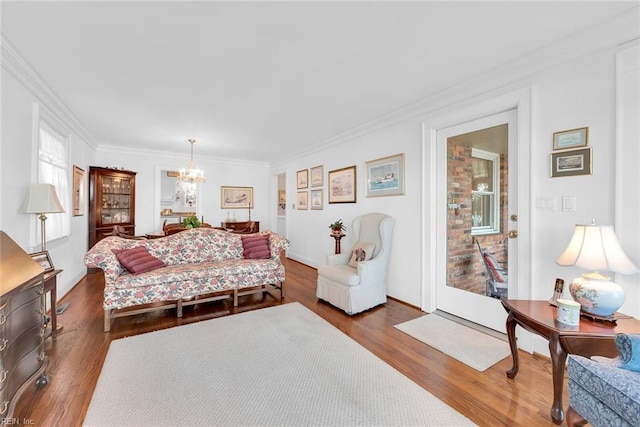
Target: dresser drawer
[(23, 317), (16, 301), (19, 347), (24, 368)]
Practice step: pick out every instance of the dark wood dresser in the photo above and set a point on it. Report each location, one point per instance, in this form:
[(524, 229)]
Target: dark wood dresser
[(22, 329)]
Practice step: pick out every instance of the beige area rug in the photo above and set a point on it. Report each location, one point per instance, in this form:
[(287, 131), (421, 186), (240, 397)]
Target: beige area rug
[(469, 346), (278, 366)]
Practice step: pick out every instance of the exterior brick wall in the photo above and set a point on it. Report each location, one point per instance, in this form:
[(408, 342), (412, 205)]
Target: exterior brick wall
[(465, 269)]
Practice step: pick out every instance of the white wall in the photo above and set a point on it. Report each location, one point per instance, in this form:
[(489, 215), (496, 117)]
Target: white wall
[(308, 230), (573, 93), (18, 171), (148, 166)]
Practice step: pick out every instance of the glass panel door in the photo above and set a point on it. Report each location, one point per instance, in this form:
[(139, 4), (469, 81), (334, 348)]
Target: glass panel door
[(474, 255)]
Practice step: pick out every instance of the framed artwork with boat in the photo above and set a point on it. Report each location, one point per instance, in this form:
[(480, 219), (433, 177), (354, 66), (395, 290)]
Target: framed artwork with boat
[(236, 197), (385, 176)]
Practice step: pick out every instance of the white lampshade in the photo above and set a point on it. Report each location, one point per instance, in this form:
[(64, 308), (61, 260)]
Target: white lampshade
[(42, 198), (596, 247)]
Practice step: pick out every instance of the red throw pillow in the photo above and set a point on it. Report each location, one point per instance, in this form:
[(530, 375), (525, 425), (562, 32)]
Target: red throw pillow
[(256, 247), (137, 260)]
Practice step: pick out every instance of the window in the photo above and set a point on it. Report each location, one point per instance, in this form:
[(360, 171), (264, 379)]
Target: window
[(485, 192), (53, 169)]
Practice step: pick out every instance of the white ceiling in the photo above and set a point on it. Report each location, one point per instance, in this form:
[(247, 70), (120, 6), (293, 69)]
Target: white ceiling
[(261, 80)]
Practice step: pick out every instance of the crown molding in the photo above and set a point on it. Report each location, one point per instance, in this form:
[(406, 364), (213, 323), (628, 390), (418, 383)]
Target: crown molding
[(15, 65), (142, 152), (614, 32)]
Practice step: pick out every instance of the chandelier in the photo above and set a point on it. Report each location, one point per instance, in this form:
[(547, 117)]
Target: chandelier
[(191, 175)]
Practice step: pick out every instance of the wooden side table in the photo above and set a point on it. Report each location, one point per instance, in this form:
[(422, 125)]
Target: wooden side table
[(338, 237), (50, 285), (589, 338)]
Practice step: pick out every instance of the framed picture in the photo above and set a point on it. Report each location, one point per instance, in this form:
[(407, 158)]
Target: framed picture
[(282, 196), (385, 176), (302, 179), (303, 200), (316, 199), (78, 191), (317, 176), (571, 163), (558, 289), (342, 185), (43, 259), (236, 197), (571, 138)]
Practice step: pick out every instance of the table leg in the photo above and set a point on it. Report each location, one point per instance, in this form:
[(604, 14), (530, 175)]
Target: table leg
[(558, 359), (511, 333)]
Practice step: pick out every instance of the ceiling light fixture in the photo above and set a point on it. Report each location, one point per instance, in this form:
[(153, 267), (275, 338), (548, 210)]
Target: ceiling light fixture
[(191, 175)]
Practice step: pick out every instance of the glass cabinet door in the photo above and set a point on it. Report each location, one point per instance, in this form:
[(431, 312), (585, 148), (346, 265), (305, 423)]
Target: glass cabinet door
[(116, 200)]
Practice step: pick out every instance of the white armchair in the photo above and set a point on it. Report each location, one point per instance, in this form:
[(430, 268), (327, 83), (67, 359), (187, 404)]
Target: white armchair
[(355, 289)]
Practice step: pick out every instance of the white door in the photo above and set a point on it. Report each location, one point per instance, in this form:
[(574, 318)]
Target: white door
[(477, 172)]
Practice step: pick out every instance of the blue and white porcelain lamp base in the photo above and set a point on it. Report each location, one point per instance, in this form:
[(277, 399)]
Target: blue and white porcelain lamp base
[(597, 294)]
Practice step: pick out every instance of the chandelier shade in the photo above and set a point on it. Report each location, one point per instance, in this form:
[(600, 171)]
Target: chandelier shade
[(192, 174)]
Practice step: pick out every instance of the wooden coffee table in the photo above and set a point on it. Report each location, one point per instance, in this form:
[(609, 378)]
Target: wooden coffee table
[(589, 338)]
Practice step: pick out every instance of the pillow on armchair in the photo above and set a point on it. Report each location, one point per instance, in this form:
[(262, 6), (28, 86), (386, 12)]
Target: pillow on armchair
[(629, 348), (361, 252)]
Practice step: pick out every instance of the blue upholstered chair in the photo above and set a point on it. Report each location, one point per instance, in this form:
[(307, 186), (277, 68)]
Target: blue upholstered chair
[(602, 393)]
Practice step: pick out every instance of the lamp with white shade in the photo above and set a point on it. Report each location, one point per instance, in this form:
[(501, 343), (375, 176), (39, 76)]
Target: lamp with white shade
[(596, 248), (42, 199)]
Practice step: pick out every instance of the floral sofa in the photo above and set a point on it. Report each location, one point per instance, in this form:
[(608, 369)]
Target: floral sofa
[(194, 266)]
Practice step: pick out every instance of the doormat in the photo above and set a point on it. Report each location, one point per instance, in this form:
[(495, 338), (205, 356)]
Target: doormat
[(467, 345)]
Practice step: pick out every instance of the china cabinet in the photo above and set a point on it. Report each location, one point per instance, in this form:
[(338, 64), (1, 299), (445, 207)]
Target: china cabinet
[(111, 202)]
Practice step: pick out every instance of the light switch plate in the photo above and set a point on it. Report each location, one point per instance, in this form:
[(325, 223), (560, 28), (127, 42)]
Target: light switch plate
[(545, 204), (568, 203)]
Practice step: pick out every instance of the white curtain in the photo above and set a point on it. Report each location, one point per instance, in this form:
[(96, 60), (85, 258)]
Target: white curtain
[(53, 169)]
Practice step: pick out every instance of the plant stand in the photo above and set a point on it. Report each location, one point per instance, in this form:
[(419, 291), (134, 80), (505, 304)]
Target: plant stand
[(338, 237)]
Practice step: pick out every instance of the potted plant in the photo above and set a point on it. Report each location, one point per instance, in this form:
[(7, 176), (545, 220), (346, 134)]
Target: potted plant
[(191, 221), (337, 227)]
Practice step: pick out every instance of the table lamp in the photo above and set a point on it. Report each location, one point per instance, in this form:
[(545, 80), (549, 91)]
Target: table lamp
[(42, 199), (596, 247)]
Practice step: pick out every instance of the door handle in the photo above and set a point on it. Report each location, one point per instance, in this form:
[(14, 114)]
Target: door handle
[(513, 234)]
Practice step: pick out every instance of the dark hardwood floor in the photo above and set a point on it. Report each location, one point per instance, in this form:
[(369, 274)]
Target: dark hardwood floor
[(488, 398)]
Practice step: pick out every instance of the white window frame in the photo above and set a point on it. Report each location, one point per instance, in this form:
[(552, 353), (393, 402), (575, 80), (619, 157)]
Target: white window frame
[(43, 118), (494, 228)]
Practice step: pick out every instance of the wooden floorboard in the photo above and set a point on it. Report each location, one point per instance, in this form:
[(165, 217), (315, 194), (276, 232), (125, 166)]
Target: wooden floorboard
[(488, 398)]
